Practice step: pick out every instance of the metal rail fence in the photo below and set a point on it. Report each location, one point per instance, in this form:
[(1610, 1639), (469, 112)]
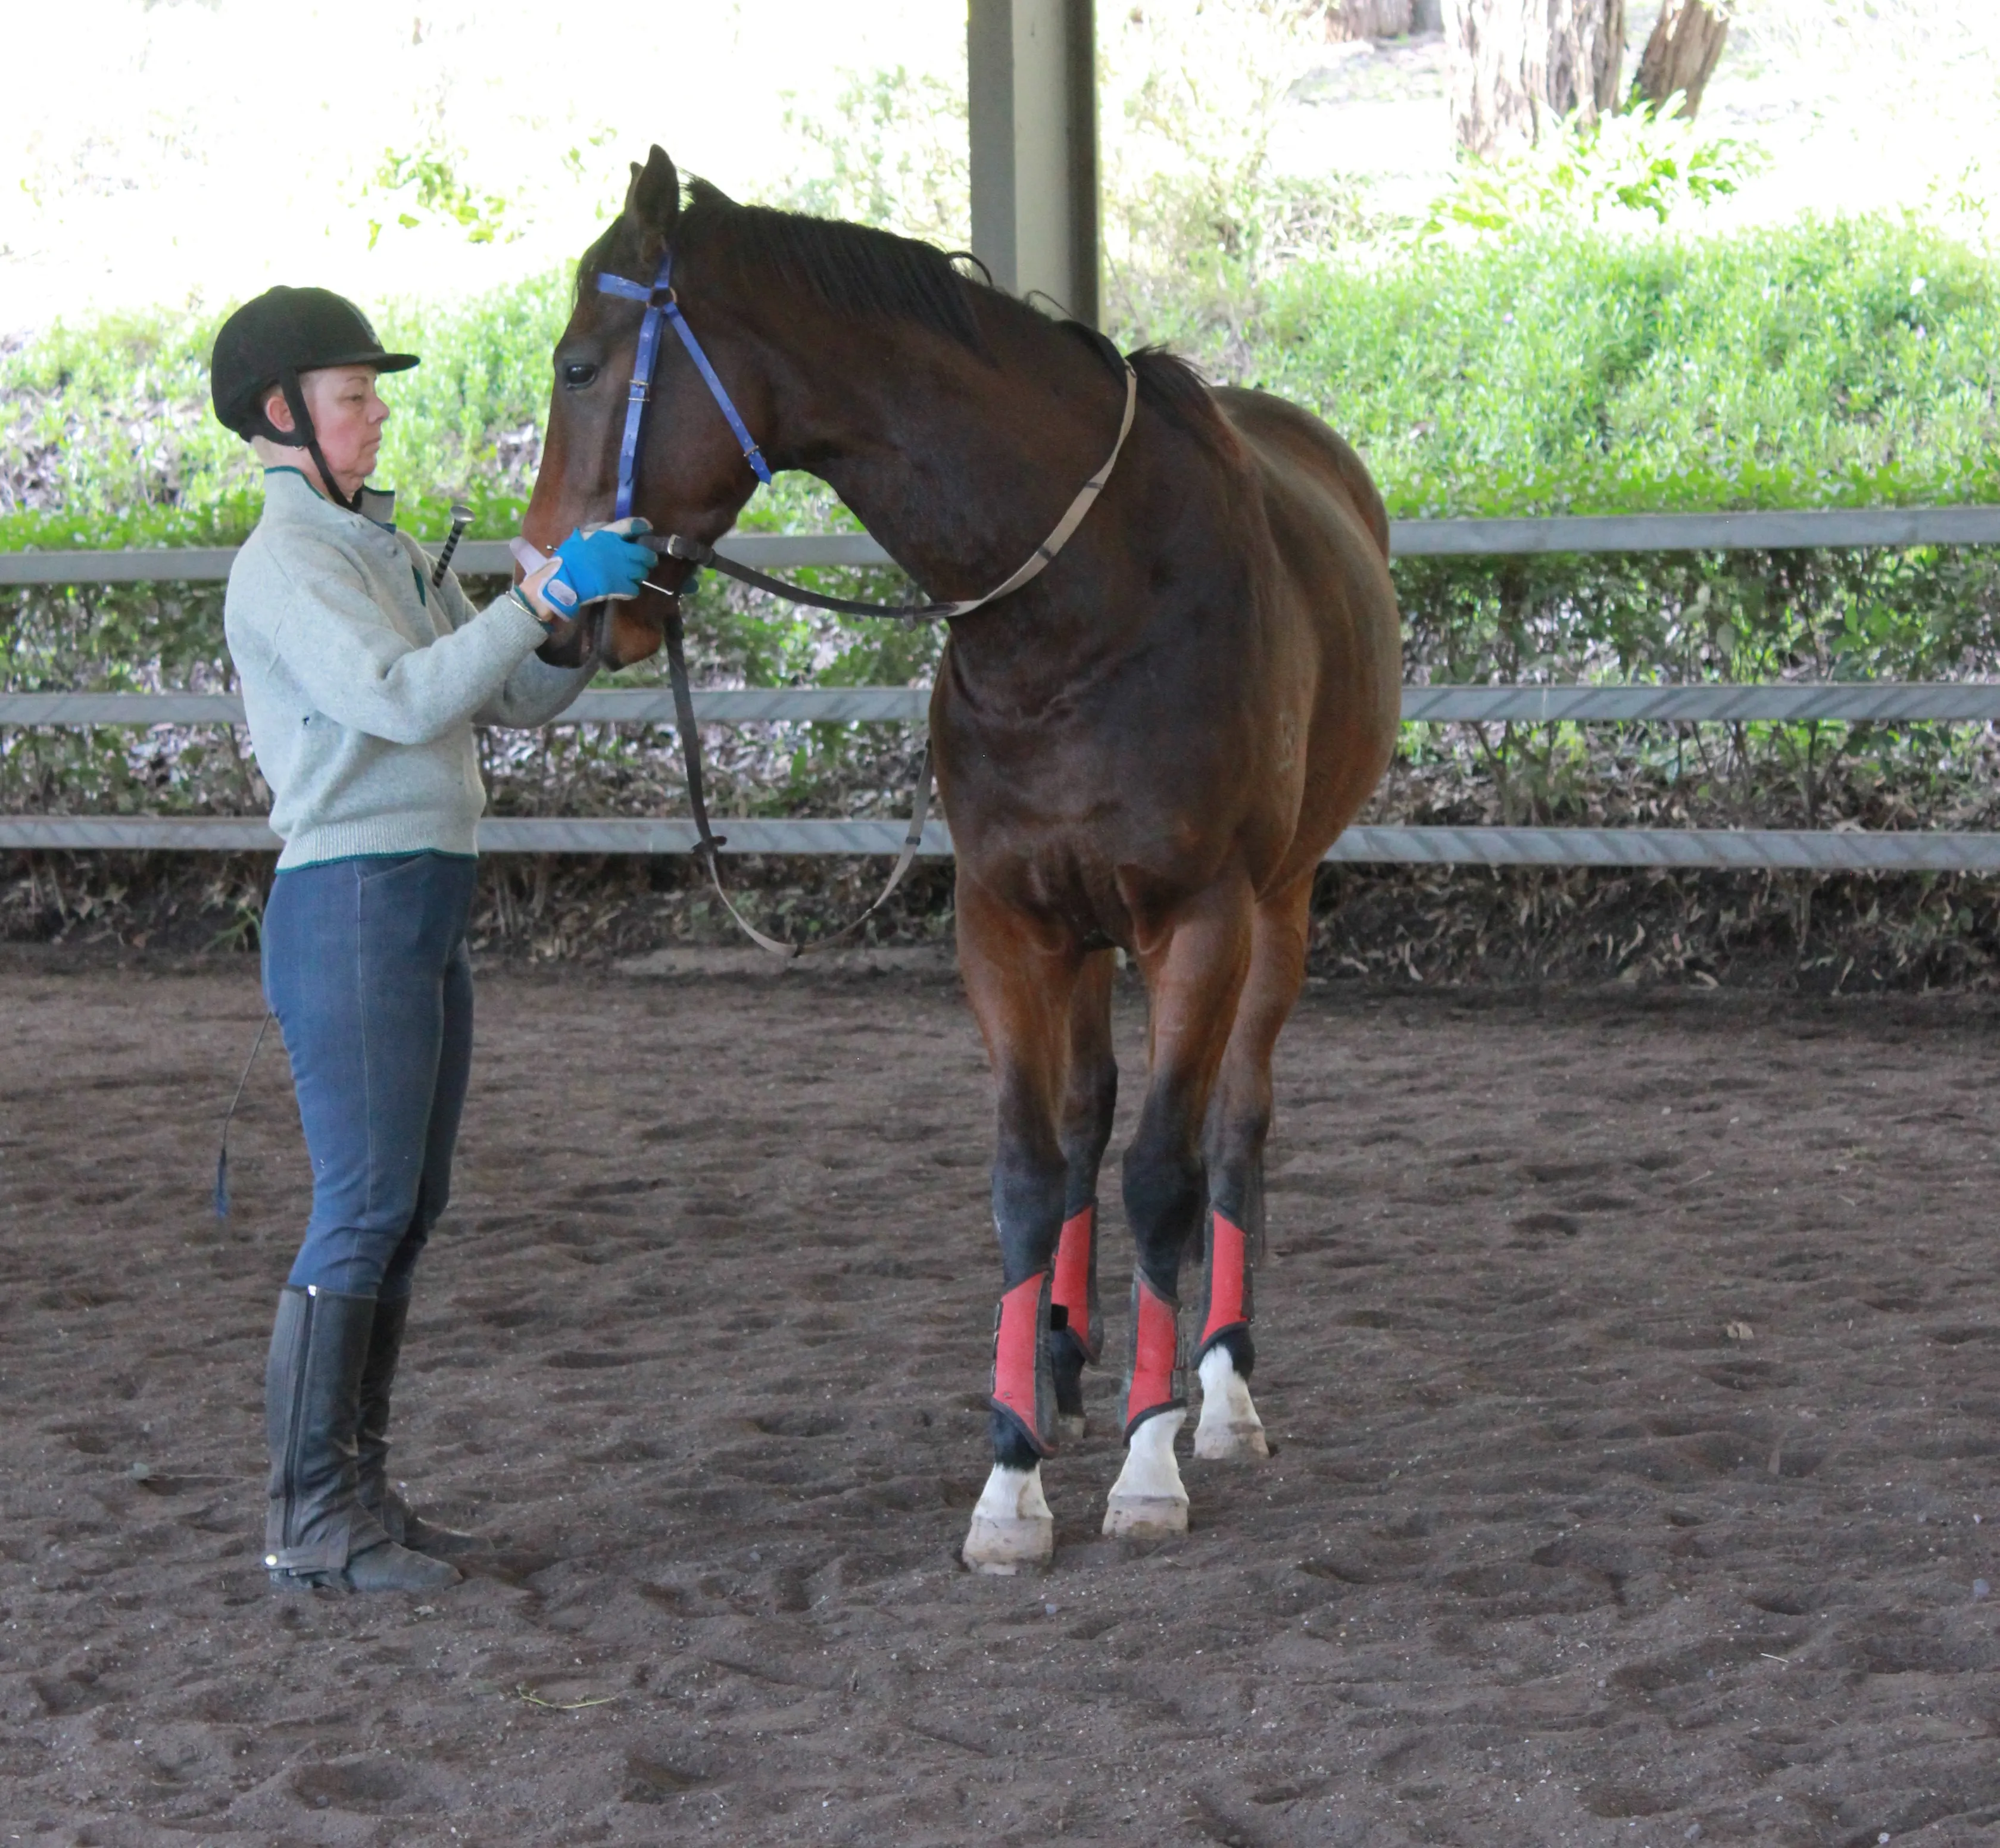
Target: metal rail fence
[(1810, 529), (1832, 850)]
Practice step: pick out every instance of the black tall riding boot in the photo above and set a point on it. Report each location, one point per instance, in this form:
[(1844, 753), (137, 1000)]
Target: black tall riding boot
[(400, 1521), (316, 1531)]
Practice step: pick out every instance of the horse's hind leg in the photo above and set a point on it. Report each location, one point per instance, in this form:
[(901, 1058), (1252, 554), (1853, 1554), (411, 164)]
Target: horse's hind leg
[(1239, 1121), (1020, 984), (1076, 1322), (1194, 977)]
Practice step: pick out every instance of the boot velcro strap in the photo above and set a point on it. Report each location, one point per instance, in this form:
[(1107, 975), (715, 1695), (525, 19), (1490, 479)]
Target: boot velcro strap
[(1023, 1385), (1155, 1385), (1075, 1289), (1229, 1272)]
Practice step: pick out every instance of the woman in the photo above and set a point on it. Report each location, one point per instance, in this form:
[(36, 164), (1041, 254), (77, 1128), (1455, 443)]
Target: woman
[(362, 682)]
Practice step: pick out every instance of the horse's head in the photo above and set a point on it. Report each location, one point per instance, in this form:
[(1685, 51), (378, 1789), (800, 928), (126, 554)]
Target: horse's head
[(690, 477)]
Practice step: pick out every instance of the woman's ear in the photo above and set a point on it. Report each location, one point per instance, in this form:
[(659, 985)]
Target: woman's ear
[(653, 204), (277, 413)]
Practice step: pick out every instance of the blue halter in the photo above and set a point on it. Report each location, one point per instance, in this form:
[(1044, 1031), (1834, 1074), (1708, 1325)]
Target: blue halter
[(661, 305)]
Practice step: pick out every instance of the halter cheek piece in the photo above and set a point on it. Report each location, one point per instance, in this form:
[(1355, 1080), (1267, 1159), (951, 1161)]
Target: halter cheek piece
[(662, 304)]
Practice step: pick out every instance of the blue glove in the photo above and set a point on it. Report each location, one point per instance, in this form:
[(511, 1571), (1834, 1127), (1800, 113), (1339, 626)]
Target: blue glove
[(591, 567)]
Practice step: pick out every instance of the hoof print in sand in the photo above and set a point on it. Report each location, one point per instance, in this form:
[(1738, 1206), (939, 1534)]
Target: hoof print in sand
[(357, 1784)]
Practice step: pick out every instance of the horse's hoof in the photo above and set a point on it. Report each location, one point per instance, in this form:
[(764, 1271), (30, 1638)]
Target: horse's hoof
[(1005, 1548), (1230, 1431), (1011, 1527), (1216, 1441), (1071, 1426), (1148, 1502), (1145, 1516)]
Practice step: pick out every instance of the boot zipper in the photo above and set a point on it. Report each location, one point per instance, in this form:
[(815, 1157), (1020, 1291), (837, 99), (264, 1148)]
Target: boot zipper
[(292, 1434)]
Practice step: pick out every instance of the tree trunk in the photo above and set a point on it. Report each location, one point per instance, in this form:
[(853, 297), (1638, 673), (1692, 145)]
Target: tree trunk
[(1681, 54), (1518, 67), (1367, 19)]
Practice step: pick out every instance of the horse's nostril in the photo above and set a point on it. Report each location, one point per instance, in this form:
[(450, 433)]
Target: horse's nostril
[(577, 375)]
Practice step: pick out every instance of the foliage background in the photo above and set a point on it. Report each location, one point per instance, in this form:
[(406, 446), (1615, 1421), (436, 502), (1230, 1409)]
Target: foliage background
[(1552, 334)]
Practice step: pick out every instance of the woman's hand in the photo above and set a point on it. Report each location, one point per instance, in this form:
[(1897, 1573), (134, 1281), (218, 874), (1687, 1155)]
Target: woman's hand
[(604, 564)]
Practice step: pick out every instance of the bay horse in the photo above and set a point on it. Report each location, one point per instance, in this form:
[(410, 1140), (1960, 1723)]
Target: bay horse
[(1148, 748)]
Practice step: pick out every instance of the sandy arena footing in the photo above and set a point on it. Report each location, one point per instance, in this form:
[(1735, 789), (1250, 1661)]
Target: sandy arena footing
[(1631, 1365)]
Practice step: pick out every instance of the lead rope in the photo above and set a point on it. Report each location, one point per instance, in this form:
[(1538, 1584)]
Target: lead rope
[(674, 545), (710, 844)]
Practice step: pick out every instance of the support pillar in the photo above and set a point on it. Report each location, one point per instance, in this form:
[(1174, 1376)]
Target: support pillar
[(1032, 67)]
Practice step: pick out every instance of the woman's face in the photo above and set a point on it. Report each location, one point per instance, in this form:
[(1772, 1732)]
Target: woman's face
[(347, 417)]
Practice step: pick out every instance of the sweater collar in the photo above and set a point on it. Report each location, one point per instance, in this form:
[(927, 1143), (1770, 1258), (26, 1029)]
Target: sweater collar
[(292, 497)]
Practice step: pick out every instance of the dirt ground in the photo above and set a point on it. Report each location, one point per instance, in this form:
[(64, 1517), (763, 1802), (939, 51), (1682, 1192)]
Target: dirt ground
[(1545, 1555)]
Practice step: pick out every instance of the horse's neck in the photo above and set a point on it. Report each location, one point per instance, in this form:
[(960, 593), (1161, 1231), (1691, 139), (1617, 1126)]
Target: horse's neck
[(960, 464)]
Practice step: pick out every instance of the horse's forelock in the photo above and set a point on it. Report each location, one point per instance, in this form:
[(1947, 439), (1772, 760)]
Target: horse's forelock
[(603, 257)]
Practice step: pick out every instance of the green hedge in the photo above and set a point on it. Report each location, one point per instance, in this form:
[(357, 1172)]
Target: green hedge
[(1843, 362), (1847, 361), (1850, 362)]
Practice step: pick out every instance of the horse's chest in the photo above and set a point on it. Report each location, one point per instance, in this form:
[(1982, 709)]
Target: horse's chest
[(1055, 831)]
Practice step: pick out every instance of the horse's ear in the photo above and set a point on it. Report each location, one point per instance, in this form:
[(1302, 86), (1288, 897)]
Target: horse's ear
[(653, 203)]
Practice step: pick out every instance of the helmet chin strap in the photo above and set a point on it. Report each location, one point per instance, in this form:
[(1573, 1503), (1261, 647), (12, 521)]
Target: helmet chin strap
[(302, 436)]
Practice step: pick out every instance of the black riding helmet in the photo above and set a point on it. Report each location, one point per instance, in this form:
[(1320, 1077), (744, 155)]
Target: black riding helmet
[(270, 341)]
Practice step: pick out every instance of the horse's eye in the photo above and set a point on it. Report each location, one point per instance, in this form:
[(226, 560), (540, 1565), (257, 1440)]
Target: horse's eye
[(579, 375)]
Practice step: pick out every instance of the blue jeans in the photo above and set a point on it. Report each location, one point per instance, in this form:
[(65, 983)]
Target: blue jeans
[(366, 967)]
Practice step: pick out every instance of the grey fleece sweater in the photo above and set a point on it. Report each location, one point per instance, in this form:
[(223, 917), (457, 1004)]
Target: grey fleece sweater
[(362, 683)]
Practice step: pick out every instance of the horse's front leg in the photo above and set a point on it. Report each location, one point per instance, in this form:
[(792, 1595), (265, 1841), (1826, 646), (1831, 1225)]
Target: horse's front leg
[(1019, 980), (1194, 975), (1076, 1334), (1239, 1120)]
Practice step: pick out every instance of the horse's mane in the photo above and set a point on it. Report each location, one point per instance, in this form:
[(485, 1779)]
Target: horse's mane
[(854, 270), (1171, 385), (850, 270), (858, 271)]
